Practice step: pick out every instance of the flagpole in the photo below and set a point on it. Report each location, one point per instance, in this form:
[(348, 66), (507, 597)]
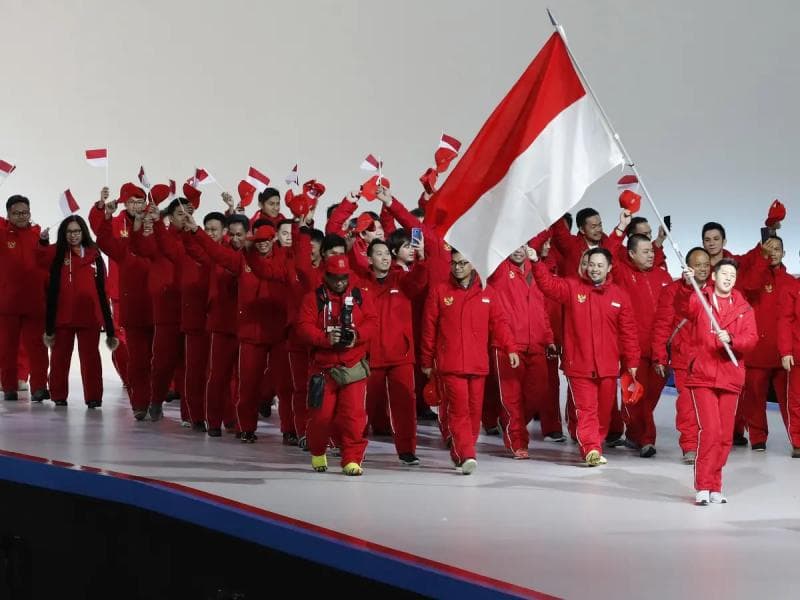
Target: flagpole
[(629, 161), (107, 163)]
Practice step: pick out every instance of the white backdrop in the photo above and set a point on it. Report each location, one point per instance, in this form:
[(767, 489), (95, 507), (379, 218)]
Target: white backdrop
[(704, 93)]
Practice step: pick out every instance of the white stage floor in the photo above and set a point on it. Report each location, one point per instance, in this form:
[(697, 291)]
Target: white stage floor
[(625, 530)]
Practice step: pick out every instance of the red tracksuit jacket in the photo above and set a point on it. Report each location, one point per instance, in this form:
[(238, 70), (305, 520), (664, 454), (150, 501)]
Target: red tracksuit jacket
[(312, 326), (671, 328), (162, 279), (78, 304), (599, 325), (393, 343), (709, 365), (136, 303), (262, 305), (122, 228), (762, 286), (644, 288), (523, 305), (259, 216), (459, 325), (22, 280), (437, 251), (222, 303), (789, 319), (571, 247)]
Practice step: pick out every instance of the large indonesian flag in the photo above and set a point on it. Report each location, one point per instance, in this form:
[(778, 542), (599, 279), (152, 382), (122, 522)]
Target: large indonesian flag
[(530, 163)]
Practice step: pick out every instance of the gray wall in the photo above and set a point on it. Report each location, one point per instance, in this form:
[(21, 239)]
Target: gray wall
[(702, 92)]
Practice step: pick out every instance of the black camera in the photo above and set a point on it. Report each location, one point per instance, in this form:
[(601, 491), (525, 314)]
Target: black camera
[(346, 332)]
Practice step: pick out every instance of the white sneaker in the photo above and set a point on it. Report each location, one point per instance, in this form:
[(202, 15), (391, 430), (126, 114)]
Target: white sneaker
[(718, 498), (469, 466), (702, 498), (22, 385), (602, 460), (186, 423)]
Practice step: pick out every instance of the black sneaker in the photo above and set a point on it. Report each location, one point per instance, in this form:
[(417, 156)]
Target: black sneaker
[(61, 402), (409, 459), (302, 443), (556, 436), (231, 428), (172, 395), (199, 426), (140, 414), (40, 395), (614, 443), (289, 439), (248, 437), (94, 404), (155, 411), (215, 432), (427, 415), (265, 409), (762, 447), (647, 451), (492, 430), (795, 452), (612, 438), (10, 396), (739, 440)]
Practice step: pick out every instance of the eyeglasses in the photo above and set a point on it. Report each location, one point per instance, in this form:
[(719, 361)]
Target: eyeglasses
[(20, 213), (74, 232), (459, 264)]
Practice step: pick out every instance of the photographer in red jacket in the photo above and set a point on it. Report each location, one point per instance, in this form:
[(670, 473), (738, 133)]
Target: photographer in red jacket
[(713, 380), (460, 316), (337, 321), (599, 338)]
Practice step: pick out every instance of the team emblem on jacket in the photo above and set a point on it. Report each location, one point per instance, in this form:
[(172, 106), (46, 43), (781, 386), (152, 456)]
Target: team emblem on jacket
[(448, 300), (123, 233), (485, 300), (12, 244), (511, 275), (66, 262), (768, 288), (581, 298), (247, 269)]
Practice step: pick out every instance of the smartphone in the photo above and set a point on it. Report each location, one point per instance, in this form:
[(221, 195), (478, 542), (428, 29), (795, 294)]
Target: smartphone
[(766, 233), (416, 236), (668, 222)]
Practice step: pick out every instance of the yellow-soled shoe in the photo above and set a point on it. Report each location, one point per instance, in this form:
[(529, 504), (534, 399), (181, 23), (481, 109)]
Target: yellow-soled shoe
[(352, 469), (593, 458), (320, 463)]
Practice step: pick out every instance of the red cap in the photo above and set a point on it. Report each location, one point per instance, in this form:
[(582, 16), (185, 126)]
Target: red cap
[(264, 233), (130, 190), (369, 189), (337, 265), (632, 390), (428, 180), (299, 204), (364, 223), (192, 195), (777, 213), (630, 201), (159, 192), (430, 393), (313, 189)]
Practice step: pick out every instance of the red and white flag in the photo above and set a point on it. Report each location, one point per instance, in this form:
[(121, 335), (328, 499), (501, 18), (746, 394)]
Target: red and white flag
[(143, 179), (68, 204), (544, 144), (293, 178), (448, 149), (371, 164), (97, 157), (202, 177), (257, 179), (628, 182), (6, 169)]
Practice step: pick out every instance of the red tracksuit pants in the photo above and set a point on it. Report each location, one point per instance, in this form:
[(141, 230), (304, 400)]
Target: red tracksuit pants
[(343, 413), (120, 356), (253, 360), (298, 369), (754, 400), (685, 417), (28, 330), (89, 355), (140, 358), (790, 410), (522, 393), (278, 382), (462, 404), (391, 404), (594, 398), (168, 363), (220, 396), (196, 348), (716, 411), (639, 421)]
